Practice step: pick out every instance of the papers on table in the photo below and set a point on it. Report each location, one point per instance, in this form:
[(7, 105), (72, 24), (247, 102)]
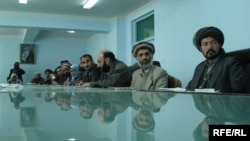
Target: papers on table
[(174, 89), (210, 90), (206, 90), (10, 87)]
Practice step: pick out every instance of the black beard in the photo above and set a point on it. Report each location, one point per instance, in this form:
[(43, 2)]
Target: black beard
[(105, 68), (213, 56), (81, 69)]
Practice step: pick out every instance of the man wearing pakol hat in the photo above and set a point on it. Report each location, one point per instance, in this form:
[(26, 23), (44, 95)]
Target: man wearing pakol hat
[(149, 76), (218, 71)]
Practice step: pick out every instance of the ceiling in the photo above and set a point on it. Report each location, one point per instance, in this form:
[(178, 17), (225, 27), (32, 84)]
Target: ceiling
[(14, 15)]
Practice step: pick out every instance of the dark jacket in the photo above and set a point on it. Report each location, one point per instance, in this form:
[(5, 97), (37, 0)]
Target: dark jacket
[(228, 108), (118, 76), (91, 75), (228, 76), (17, 71)]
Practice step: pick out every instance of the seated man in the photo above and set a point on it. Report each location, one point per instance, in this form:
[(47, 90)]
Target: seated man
[(65, 67), (17, 70), (218, 71), (38, 79), (91, 71), (149, 76), (58, 78), (14, 79), (115, 73), (47, 73), (74, 75)]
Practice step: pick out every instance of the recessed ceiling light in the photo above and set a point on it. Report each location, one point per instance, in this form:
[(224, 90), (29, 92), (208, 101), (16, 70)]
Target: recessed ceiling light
[(87, 4), (23, 1), (71, 139)]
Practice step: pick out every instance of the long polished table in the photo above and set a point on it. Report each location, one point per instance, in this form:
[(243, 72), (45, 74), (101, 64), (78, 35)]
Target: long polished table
[(68, 113)]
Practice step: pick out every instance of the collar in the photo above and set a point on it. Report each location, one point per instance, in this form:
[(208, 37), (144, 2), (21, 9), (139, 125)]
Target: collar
[(214, 61), (146, 71)]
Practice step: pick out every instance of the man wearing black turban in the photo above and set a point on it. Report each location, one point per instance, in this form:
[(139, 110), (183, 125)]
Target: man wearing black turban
[(218, 71)]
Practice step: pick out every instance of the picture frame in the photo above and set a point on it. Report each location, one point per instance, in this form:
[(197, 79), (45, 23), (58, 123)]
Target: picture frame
[(27, 53), (27, 117)]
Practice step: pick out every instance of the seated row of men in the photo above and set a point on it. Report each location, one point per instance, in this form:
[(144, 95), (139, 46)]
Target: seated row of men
[(219, 71), (111, 72)]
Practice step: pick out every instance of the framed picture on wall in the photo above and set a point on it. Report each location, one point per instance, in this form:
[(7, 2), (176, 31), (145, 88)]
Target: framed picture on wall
[(27, 53), (27, 117)]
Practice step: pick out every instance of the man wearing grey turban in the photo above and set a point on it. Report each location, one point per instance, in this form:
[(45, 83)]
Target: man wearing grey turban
[(219, 71)]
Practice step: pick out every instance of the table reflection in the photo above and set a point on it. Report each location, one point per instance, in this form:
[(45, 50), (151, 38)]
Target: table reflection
[(148, 103), (59, 113), (224, 109), (16, 98)]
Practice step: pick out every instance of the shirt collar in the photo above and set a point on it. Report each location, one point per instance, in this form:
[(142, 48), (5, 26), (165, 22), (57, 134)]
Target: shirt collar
[(146, 71), (214, 61)]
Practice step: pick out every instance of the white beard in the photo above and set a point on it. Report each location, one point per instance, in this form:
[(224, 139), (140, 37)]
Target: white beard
[(145, 66)]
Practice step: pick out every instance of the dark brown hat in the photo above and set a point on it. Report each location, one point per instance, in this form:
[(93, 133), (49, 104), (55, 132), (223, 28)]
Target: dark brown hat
[(143, 45), (205, 32)]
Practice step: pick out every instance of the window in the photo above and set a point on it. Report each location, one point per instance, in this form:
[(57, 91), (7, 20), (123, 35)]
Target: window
[(144, 28)]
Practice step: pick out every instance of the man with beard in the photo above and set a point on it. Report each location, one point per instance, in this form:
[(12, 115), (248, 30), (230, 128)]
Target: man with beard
[(114, 73), (219, 71), (149, 76)]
